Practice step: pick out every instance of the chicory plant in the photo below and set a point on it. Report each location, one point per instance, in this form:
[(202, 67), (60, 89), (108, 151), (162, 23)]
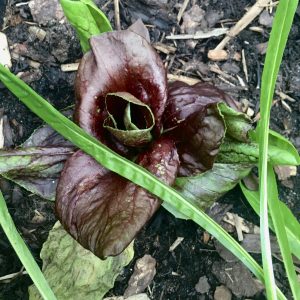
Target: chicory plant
[(123, 99)]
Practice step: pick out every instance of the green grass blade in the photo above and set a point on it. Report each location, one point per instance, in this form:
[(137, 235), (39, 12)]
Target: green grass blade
[(23, 253), (279, 34), (292, 226), (274, 206), (124, 167)]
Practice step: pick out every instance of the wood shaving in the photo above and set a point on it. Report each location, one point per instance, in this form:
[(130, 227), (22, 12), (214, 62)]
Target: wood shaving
[(182, 10), (217, 55), (69, 67), (5, 58), (198, 35), (176, 244), (188, 80)]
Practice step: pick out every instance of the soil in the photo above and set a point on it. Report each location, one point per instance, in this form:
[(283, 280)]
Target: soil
[(179, 271)]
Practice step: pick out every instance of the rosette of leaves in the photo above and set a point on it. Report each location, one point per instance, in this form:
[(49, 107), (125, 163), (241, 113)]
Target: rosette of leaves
[(175, 131), (123, 99)]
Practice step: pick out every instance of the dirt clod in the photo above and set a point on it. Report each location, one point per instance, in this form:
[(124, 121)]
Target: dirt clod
[(236, 277), (202, 286), (45, 12), (265, 19)]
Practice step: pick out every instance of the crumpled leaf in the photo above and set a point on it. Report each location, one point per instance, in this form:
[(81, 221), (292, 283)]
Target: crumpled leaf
[(237, 124), (204, 189), (193, 119), (104, 211), (120, 61), (129, 119), (233, 152), (35, 168), (75, 273), (122, 72)]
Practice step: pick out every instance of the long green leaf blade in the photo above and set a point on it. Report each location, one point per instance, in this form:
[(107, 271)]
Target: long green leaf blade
[(23, 253), (86, 18), (279, 34), (281, 233), (292, 226), (124, 167)]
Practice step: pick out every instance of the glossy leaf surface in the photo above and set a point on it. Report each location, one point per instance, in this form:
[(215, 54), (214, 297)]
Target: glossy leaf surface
[(35, 168), (103, 210), (280, 150), (120, 61), (193, 120), (38, 164)]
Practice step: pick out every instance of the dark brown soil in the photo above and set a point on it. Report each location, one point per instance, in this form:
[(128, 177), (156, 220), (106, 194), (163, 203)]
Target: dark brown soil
[(193, 258)]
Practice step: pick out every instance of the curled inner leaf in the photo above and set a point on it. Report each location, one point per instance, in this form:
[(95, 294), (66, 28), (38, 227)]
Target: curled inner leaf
[(129, 119)]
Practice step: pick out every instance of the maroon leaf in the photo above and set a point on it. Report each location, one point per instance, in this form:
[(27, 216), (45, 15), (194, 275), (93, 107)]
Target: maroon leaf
[(120, 61), (101, 209), (139, 28), (193, 119)]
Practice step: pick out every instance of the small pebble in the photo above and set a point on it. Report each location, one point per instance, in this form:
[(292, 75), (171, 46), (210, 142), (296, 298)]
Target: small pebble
[(265, 19), (217, 55), (45, 12), (262, 48), (144, 272), (202, 286), (222, 293)]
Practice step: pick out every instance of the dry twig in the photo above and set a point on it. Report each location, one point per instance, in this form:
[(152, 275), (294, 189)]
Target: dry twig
[(182, 10), (117, 15), (198, 35), (245, 69), (249, 16)]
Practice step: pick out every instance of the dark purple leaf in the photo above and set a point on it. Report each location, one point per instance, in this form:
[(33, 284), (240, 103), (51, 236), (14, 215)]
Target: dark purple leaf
[(193, 119), (120, 61), (101, 209), (139, 28), (46, 136)]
